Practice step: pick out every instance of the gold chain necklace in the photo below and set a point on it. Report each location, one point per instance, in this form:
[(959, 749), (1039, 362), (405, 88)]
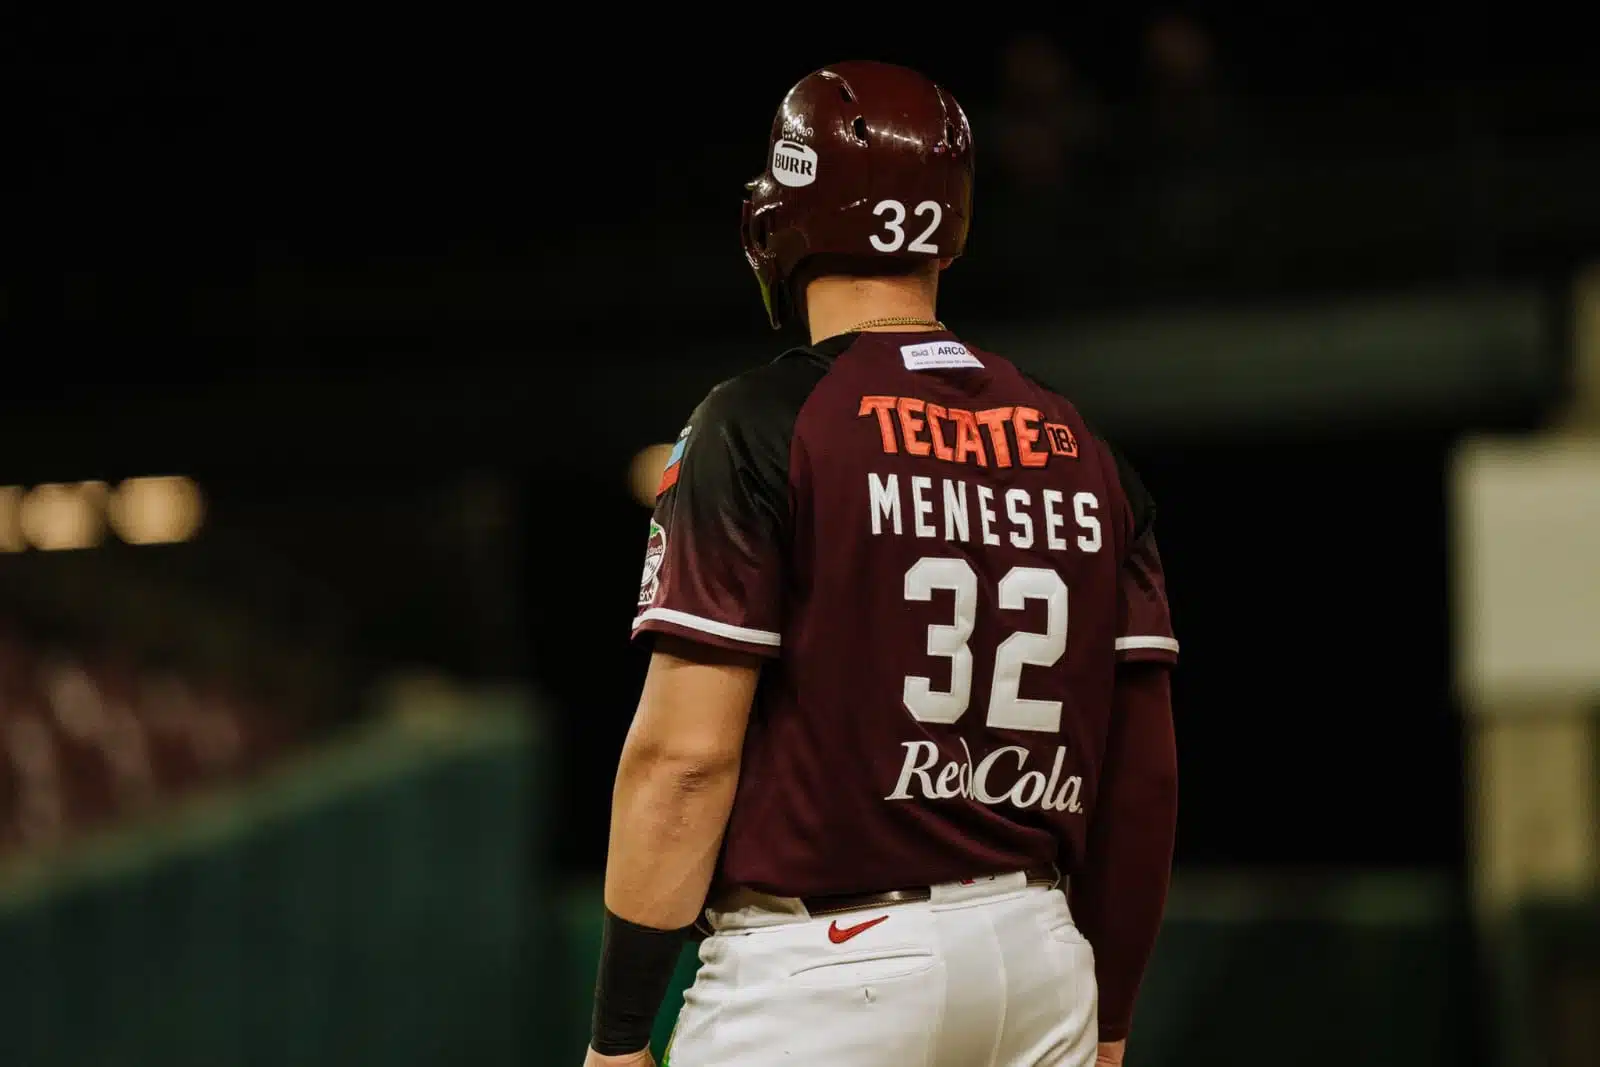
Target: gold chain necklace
[(895, 320)]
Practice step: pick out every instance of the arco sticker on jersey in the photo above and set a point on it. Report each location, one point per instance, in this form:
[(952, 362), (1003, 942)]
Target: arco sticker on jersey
[(655, 551)]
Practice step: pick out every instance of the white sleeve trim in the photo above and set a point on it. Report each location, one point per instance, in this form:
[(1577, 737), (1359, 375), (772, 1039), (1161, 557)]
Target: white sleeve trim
[(1166, 644), (710, 626)]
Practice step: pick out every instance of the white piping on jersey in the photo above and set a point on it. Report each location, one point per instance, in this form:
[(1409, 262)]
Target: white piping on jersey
[(1167, 644), (710, 626)]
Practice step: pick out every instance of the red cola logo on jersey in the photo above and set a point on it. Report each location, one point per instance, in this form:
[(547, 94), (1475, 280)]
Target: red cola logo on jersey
[(992, 781), (1007, 436)]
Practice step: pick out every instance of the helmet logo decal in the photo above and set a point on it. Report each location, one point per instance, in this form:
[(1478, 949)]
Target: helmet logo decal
[(795, 128), (794, 164)]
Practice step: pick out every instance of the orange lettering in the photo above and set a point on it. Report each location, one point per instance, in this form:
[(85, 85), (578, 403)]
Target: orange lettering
[(968, 440), (940, 449), (880, 406), (910, 424), (995, 419), (1062, 442), (1024, 422)]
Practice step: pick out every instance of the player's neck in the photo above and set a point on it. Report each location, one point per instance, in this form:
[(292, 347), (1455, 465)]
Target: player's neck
[(837, 304)]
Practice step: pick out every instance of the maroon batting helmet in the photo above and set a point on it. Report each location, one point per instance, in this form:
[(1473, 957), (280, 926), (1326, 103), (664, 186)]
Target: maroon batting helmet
[(866, 160)]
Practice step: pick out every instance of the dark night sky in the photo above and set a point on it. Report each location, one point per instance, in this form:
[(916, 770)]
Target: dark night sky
[(166, 153), (313, 132)]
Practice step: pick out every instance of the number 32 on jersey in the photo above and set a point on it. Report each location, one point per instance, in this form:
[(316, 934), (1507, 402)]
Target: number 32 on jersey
[(1007, 710)]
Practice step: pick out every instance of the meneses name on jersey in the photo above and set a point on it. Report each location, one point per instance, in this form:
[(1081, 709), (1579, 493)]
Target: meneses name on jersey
[(948, 512)]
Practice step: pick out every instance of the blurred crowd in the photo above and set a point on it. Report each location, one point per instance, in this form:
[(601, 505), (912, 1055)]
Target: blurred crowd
[(1142, 181), (1051, 124), (89, 737)]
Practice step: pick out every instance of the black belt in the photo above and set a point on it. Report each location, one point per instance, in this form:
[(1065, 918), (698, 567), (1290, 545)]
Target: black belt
[(834, 904)]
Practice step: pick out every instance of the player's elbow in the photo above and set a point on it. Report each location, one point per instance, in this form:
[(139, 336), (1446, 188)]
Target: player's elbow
[(680, 765)]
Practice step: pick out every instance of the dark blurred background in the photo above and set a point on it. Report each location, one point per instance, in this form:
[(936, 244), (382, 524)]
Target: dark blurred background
[(405, 296)]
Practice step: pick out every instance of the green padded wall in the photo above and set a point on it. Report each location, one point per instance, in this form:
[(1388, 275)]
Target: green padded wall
[(366, 905), (1547, 956), (1316, 971)]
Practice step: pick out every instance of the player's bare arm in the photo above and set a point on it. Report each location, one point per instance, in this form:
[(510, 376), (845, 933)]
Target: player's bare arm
[(675, 781), (674, 789)]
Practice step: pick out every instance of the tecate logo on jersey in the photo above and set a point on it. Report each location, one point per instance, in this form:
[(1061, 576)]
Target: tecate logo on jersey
[(794, 164), (983, 782), (953, 435)]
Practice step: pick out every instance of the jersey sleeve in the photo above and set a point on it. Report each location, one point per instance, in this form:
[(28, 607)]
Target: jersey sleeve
[(714, 563), (1144, 622)]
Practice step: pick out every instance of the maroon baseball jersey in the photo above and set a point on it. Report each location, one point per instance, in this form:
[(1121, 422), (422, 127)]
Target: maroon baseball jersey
[(944, 566)]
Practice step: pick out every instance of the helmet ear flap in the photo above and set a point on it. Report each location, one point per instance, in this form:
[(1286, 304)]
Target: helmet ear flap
[(763, 263), (775, 297)]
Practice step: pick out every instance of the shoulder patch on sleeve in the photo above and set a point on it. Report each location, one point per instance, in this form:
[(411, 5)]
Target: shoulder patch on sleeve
[(674, 465), (654, 553)]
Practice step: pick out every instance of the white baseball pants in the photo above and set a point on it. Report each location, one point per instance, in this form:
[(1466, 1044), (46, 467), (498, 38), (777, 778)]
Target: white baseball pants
[(988, 974)]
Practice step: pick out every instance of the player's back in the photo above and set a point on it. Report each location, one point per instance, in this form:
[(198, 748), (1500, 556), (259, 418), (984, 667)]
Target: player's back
[(943, 568), (942, 590)]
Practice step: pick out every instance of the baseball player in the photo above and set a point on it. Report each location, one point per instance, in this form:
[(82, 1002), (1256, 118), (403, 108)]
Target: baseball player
[(905, 750)]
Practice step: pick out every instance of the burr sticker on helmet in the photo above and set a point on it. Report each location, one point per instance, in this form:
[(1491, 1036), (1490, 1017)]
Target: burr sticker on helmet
[(794, 164)]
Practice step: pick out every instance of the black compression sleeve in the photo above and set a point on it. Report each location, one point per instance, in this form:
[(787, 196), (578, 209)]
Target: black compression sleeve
[(636, 963)]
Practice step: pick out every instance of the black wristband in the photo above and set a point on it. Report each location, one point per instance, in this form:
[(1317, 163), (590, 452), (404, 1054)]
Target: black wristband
[(636, 964)]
